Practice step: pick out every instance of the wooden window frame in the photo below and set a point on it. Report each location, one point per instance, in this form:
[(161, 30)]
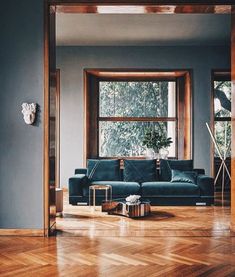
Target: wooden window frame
[(217, 75), (183, 117)]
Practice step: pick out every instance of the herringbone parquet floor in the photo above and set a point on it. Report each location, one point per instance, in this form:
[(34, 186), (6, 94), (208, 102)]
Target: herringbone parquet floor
[(170, 221), (117, 256), (172, 242)]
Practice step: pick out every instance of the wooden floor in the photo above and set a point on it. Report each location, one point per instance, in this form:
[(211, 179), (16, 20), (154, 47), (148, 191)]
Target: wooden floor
[(117, 256), (163, 221), (173, 241), (171, 221)]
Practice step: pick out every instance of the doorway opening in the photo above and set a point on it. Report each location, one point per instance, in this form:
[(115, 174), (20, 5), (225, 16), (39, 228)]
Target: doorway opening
[(124, 56), (221, 114)]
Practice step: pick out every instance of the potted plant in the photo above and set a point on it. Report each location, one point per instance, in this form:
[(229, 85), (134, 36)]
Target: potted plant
[(156, 140)]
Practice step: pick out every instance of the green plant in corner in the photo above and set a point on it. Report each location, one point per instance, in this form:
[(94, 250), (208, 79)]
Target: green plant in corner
[(156, 139)]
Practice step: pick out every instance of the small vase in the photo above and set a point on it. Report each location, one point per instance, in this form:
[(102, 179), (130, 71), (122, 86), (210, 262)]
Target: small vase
[(164, 153), (157, 155), (150, 154)]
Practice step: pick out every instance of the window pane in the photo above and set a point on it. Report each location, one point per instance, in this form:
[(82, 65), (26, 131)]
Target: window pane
[(137, 99), (222, 98), (125, 138), (223, 137)]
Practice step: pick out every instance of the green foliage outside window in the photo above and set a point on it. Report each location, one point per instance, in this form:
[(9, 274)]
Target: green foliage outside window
[(222, 109), (126, 100)]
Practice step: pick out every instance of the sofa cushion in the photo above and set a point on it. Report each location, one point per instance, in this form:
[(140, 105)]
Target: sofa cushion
[(167, 165), (108, 170), (119, 188), (183, 176), (139, 170), (158, 189)]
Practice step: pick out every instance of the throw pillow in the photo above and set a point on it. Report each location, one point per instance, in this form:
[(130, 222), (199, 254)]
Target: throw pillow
[(139, 171), (167, 165), (103, 170), (183, 176)]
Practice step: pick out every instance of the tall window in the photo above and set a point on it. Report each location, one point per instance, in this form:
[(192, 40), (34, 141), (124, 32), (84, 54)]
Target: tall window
[(120, 107), (222, 118), (127, 109)]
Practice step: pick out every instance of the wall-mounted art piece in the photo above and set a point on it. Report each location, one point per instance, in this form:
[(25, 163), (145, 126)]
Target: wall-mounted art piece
[(29, 112)]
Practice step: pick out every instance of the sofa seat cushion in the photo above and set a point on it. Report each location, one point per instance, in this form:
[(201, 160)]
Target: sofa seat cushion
[(99, 170), (119, 188), (155, 189), (139, 171)]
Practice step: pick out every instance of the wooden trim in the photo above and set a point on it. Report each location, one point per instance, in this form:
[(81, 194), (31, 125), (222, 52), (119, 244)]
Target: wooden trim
[(142, 2), (52, 127), (211, 124), (189, 6), (233, 121), (221, 75), (57, 128), (141, 119), (46, 119), (91, 118), (137, 78), (49, 44), (22, 232), (222, 119), (144, 9), (133, 73), (183, 110), (188, 117), (86, 120)]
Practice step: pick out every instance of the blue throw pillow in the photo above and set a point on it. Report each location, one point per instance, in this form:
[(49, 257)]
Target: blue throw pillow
[(183, 176), (103, 170), (167, 165), (139, 171)]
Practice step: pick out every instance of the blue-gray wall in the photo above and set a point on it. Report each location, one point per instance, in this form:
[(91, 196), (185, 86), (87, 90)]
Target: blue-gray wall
[(21, 79), (73, 60)]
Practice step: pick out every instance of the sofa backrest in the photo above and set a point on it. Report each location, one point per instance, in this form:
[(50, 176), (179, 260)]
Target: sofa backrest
[(103, 170), (139, 171), (134, 170)]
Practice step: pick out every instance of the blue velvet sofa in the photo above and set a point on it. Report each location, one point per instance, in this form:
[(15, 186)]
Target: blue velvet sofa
[(175, 182)]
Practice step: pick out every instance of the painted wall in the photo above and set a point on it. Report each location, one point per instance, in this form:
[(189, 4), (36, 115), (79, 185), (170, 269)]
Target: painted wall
[(21, 79), (73, 60)]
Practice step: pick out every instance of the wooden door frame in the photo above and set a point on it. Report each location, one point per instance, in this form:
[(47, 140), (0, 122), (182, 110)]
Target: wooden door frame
[(132, 7), (215, 74)]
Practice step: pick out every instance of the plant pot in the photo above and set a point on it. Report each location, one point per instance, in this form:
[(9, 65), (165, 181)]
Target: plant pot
[(150, 155), (157, 155), (164, 153)]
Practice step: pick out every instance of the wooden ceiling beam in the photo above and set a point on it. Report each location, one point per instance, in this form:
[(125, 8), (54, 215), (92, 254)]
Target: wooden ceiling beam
[(142, 2), (144, 9)]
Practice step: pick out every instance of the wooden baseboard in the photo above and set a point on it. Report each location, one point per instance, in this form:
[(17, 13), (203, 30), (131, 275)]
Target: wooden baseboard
[(22, 232)]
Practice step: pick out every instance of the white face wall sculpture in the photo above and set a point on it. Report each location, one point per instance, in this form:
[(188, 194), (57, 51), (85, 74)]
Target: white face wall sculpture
[(29, 111)]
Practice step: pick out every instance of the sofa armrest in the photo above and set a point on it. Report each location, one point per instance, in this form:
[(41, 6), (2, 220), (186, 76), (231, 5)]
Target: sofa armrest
[(199, 170), (80, 171), (206, 185), (76, 184)]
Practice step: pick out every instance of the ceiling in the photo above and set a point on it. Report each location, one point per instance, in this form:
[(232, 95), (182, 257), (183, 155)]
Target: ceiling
[(142, 29)]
